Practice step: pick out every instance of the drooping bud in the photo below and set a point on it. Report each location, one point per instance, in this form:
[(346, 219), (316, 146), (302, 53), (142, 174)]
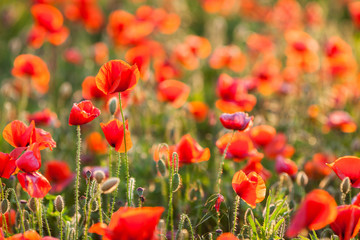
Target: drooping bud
[(99, 176), (176, 182), (345, 185), (219, 231), (94, 205), (112, 105), (161, 167), (59, 203), (5, 206), (88, 174), (32, 205), (140, 191), (302, 179), (110, 185)]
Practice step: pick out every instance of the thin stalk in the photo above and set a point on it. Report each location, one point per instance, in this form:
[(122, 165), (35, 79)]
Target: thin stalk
[(87, 220), (61, 227), (3, 215), (117, 189), (125, 155), (99, 202), (46, 221), (18, 206), (39, 213), (86, 194), (170, 218), (181, 225), (236, 207), (110, 163), (78, 152)]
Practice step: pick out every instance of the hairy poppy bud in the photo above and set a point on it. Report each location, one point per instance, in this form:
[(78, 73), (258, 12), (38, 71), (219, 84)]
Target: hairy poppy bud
[(110, 185), (219, 231), (176, 182), (94, 205), (112, 105), (140, 191), (99, 176), (59, 203), (161, 167), (88, 174), (345, 185), (23, 203), (5, 206), (302, 179), (32, 205)]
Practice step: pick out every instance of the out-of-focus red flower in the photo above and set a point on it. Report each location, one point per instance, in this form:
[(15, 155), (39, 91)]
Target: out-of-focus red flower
[(354, 9), (316, 168), (236, 121), (224, 7), (317, 210), (90, 90), (44, 117), (279, 146), (10, 217), (347, 166), (250, 188), (35, 184), (165, 70), (73, 56), (286, 14), (8, 162), (96, 143), (259, 44), (240, 148), (117, 76), (262, 135), (347, 222), (59, 175), (228, 57), (130, 223), (314, 14), (313, 111), (340, 120), (227, 236), (285, 165), (101, 53), (219, 200), (174, 92), (17, 134), (254, 165), (30, 235), (82, 113), (34, 68), (114, 134), (44, 139), (30, 161), (190, 151), (199, 110)]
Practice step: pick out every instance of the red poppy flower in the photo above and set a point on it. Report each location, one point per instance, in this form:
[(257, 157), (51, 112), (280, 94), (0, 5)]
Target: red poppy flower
[(228, 56), (10, 217), (354, 9), (90, 90), (34, 68), (227, 236), (117, 76), (317, 210), (44, 139), (8, 162), (340, 120), (236, 121), (250, 188), (101, 53), (199, 110), (30, 161), (82, 113), (220, 198), (278, 146), (30, 235), (73, 56), (241, 146), (347, 222), (262, 135), (59, 175), (316, 168), (165, 69), (259, 44), (285, 165), (190, 151), (254, 165), (347, 166), (130, 223), (17, 134), (173, 91), (96, 143), (35, 184), (44, 117), (114, 134)]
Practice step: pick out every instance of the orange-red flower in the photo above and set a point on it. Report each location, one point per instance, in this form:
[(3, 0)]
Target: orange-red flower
[(73, 56), (90, 90), (250, 188), (114, 134), (347, 222), (199, 110), (190, 151), (259, 44), (227, 236), (29, 235), (117, 76), (229, 57), (173, 91), (262, 135), (34, 68), (254, 165), (130, 223), (17, 134), (35, 184), (278, 146), (8, 162), (82, 113), (44, 117), (101, 53), (316, 168), (340, 120), (59, 175), (285, 165), (236, 121), (165, 69), (10, 217), (354, 9), (96, 143), (347, 166), (30, 161), (317, 210)]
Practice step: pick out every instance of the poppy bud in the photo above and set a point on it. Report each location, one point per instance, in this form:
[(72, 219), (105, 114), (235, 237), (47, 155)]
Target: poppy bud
[(5, 206), (32, 205), (302, 179), (26, 215), (219, 200), (176, 182), (345, 185), (26, 225), (110, 185), (99, 176), (94, 205), (112, 105), (59, 203), (140, 191), (23, 203), (88, 174), (219, 231), (161, 167), (184, 234), (142, 199)]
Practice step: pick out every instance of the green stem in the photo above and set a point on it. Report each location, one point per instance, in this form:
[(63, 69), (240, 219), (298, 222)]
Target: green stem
[(126, 156), (46, 221), (40, 217), (61, 227), (99, 202), (18, 206), (181, 225), (236, 206), (117, 189), (87, 220), (170, 218), (110, 163), (86, 195), (3, 215), (78, 152)]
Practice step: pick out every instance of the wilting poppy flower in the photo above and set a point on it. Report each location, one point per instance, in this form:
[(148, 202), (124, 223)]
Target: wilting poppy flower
[(347, 222), (278, 146), (96, 143), (82, 113), (317, 210), (228, 56), (190, 151), (117, 76), (10, 217), (199, 110), (34, 68), (35, 184), (236, 121), (59, 175), (8, 162), (285, 165), (227, 236), (262, 135), (30, 161), (44, 117), (316, 168), (173, 91), (254, 165), (250, 188), (342, 121), (240, 148), (114, 134), (130, 223), (347, 166), (220, 198), (17, 134)]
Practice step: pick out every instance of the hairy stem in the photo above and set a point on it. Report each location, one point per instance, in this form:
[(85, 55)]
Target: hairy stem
[(78, 152), (236, 207)]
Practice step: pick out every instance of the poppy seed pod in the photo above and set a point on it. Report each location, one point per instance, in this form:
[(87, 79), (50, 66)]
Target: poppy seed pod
[(302, 179), (99, 176), (5, 206), (59, 203), (32, 205), (110, 185), (345, 185)]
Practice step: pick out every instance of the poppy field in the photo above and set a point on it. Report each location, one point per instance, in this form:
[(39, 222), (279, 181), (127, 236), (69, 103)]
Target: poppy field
[(179, 119)]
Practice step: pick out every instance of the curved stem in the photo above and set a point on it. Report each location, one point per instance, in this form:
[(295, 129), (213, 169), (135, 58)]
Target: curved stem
[(181, 225), (78, 152), (18, 206)]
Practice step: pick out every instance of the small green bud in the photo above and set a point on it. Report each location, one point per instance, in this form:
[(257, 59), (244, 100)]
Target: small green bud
[(59, 203), (32, 205), (302, 179), (345, 185), (112, 105), (176, 182), (161, 167), (5, 206)]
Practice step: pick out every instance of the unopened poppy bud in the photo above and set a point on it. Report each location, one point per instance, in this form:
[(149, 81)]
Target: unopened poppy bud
[(5, 206), (345, 185), (23, 203), (161, 167), (99, 176), (88, 174), (112, 105), (219, 231), (26, 225), (59, 203), (302, 179), (176, 182), (110, 185), (94, 205), (140, 191), (26, 215), (32, 204)]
